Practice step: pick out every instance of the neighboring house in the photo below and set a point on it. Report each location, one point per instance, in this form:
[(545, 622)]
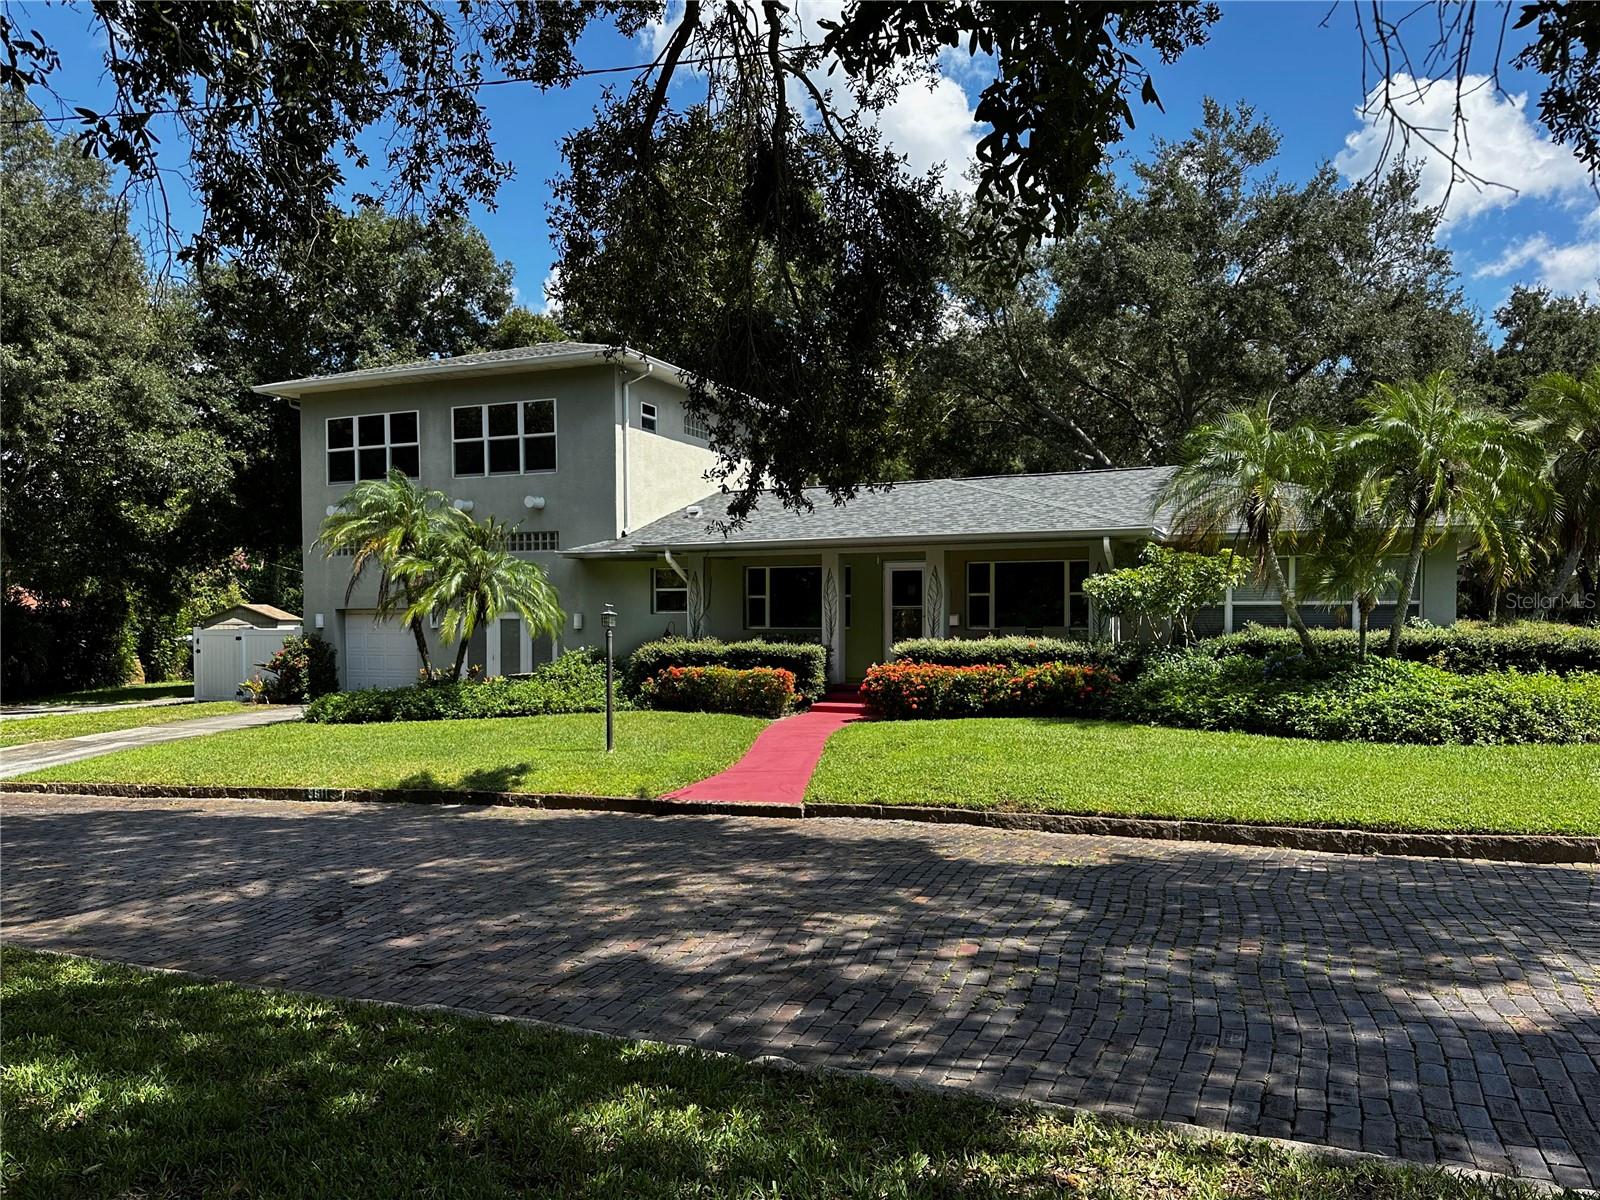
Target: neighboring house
[(590, 451)]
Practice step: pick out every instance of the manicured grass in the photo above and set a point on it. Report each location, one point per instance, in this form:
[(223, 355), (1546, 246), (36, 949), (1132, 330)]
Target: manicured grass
[(656, 752), (121, 694), (121, 1083), (44, 729), (1103, 767)]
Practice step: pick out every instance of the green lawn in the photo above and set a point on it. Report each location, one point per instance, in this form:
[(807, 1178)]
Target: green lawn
[(1103, 767), (44, 729), (121, 1083), (656, 752), (121, 694)]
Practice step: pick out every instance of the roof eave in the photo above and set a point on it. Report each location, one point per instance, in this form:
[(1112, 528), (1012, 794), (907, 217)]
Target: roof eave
[(296, 389), (652, 549)]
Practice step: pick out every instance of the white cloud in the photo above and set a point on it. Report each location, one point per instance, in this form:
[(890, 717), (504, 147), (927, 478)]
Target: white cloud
[(1568, 269), (1509, 156), (547, 301), (929, 121)]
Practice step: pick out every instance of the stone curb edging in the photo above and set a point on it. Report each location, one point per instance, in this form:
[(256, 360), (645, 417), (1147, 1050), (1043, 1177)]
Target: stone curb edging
[(1507, 847), (775, 1062)]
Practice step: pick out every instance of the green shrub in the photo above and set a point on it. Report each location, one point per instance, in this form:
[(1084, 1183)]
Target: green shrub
[(911, 691), (806, 661), (575, 682), (1380, 700), (1468, 647), (1120, 659), (746, 691), (302, 670)]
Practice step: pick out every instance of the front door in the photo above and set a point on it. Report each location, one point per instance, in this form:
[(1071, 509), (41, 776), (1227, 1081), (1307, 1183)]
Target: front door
[(903, 612)]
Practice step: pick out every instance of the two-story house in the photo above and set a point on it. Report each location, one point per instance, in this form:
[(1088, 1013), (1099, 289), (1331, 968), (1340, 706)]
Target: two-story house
[(591, 453)]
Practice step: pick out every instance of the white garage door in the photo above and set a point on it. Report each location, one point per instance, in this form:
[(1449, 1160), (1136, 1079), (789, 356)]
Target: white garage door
[(378, 653)]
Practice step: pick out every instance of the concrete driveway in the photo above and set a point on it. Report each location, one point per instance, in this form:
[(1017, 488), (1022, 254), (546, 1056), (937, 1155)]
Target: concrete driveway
[(36, 756), (1435, 1010)]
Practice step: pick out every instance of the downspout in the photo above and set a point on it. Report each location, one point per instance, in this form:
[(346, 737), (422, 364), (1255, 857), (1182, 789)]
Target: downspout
[(627, 421)]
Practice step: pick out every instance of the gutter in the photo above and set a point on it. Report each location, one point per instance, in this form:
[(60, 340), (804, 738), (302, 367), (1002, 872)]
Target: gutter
[(866, 543)]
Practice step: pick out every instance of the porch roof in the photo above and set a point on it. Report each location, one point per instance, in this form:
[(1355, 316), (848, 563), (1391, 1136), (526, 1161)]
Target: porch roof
[(1069, 504)]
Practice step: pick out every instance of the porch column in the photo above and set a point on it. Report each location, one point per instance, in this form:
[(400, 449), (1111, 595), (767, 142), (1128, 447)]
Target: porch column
[(833, 614), (698, 586), (937, 592)]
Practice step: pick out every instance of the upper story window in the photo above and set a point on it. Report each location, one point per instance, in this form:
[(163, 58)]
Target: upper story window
[(696, 426), (1032, 595), (647, 417), (368, 446), (504, 439)]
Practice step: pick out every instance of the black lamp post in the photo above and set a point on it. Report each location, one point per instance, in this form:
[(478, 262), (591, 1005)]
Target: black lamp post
[(608, 618)]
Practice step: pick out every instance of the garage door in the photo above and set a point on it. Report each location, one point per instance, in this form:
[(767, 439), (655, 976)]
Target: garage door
[(378, 653)]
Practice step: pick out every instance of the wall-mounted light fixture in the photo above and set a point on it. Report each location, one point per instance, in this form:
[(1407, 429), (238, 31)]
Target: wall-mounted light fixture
[(332, 508), (577, 621), (463, 505), (317, 621), (534, 502)]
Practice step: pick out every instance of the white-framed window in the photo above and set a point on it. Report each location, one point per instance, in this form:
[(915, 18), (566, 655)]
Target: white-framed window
[(647, 417), (783, 597), (370, 445), (696, 426), (513, 438), (1028, 594), (1256, 601), (531, 541), (668, 591)]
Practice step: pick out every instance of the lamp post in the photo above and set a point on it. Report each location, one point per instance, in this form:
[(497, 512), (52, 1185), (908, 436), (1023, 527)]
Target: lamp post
[(608, 618)]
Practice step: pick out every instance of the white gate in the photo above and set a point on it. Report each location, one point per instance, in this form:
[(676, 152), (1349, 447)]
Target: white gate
[(224, 658)]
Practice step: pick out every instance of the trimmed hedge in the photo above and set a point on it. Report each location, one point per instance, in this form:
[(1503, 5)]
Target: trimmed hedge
[(748, 691), (1122, 660), (1467, 647), (913, 691), (575, 682), (806, 661), (1381, 700)]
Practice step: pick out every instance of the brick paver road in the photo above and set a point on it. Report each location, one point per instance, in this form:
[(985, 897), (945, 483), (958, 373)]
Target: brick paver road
[(1431, 1009)]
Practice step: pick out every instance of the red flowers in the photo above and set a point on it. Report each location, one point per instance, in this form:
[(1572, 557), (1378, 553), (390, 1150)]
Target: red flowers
[(755, 691), (902, 690)]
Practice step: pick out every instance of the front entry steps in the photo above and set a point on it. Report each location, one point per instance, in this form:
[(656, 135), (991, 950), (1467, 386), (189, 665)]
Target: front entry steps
[(778, 765)]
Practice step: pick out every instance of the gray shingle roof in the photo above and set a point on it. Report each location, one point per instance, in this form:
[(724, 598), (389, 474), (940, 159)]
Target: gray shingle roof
[(1076, 503)]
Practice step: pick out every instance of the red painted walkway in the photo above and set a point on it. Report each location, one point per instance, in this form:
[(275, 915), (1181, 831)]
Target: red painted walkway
[(778, 765)]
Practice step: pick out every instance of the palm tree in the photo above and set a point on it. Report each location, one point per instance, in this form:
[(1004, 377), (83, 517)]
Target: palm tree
[(382, 522), (1352, 548), (1443, 465), (1246, 480), (1567, 410), (467, 578)]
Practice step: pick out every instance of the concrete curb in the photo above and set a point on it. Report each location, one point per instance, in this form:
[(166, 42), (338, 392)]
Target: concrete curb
[(1507, 847), (774, 1062)]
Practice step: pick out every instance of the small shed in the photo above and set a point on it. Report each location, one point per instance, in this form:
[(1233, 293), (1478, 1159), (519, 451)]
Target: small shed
[(230, 646)]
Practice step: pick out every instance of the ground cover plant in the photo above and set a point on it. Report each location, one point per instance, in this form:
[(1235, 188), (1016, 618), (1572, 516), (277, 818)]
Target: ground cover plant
[(1379, 700), (241, 1091), (656, 752), (574, 683), (807, 661), (23, 730), (1086, 766)]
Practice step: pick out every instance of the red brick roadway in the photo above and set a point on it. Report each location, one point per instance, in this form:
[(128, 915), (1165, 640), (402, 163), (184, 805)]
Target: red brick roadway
[(1431, 1009)]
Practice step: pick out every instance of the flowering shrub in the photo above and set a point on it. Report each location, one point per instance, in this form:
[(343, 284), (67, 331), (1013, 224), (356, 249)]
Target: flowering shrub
[(806, 661), (908, 690), (752, 691), (302, 670)]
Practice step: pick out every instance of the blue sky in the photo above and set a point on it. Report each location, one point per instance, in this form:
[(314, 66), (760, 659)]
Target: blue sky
[(1303, 77)]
